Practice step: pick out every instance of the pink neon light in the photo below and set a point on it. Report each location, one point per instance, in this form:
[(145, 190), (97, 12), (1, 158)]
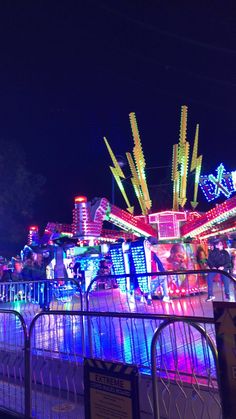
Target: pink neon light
[(204, 220)]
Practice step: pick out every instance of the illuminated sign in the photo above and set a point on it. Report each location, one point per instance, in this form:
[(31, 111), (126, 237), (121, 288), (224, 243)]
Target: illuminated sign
[(223, 183), (111, 389)]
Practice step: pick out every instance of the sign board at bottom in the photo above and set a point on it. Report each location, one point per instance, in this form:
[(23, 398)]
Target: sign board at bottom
[(111, 390)]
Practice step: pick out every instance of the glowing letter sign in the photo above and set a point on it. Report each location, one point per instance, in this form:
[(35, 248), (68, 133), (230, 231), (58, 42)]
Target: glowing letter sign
[(223, 183)]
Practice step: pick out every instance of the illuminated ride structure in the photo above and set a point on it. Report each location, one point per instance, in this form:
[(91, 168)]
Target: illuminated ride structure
[(179, 232), (48, 359)]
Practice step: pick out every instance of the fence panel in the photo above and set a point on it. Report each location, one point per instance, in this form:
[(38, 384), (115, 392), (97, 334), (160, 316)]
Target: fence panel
[(57, 348), (122, 339), (183, 358), (189, 300), (184, 371), (30, 297), (104, 295), (12, 361)]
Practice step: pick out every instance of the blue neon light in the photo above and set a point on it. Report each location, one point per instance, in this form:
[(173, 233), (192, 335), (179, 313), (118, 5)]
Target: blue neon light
[(139, 260), (118, 265), (213, 186)]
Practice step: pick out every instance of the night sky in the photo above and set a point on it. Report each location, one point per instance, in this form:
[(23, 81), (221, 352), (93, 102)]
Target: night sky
[(71, 74)]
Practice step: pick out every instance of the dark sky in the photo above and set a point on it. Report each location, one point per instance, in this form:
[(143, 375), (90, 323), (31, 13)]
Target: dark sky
[(71, 72)]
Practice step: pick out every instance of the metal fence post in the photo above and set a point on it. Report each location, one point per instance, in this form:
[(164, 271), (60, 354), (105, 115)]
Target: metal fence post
[(28, 381)]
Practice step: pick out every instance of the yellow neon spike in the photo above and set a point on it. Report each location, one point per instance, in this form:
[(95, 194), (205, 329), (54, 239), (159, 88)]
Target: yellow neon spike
[(183, 155), (183, 124), (175, 178), (195, 150), (139, 196), (114, 160), (136, 184), (176, 193), (194, 203), (118, 173), (180, 162), (183, 174), (175, 162), (135, 181), (121, 187), (139, 160), (196, 164)]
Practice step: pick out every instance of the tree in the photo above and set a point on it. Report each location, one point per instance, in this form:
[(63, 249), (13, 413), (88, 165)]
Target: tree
[(19, 189)]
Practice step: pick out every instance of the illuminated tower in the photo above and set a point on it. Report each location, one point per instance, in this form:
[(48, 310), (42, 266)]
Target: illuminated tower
[(33, 236), (81, 217), (87, 218)]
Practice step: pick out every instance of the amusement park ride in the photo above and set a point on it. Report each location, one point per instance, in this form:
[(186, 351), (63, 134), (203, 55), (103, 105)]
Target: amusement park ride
[(177, 234)]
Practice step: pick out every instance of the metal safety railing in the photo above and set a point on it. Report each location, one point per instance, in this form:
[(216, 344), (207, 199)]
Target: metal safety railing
[(187, 299), (116, 293), (169, 371), (28, 296), (41, 357), (14, 361), (48, 373)]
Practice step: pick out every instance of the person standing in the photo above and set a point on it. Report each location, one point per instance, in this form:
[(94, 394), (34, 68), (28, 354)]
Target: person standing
[(157, 266), (43, 291), (218, 258), (201, 258), (233, 264), (15, 273)]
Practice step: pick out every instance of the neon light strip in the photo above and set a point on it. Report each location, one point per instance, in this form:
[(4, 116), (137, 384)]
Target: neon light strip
[(128, 222), (226, 230), (209, 224), (217, 215), (212, 186), (128, 227)]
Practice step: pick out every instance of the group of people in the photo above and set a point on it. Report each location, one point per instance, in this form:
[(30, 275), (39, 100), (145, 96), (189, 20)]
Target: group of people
[(218, 258), (104, 273), (30, 266), (11, 270)]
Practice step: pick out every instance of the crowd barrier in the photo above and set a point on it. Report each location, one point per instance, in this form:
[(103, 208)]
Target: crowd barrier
[(168, 372), (103, 294), (42, 365), (190, 302), (173, 346)]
